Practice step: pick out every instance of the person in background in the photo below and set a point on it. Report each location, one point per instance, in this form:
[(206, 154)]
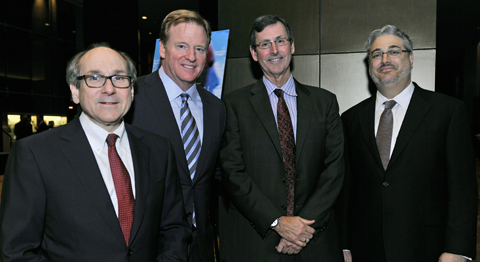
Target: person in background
[(23, 128)]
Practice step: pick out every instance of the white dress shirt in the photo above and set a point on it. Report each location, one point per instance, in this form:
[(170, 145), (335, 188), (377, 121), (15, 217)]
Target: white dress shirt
[(97, 138), (398, 111), (194, 102), (290, 97)]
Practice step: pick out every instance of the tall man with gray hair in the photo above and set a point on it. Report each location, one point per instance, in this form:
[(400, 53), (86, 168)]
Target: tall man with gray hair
[(282, 160), (412, 185)]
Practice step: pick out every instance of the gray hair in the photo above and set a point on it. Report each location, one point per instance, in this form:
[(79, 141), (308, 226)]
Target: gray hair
[(389, 30), (264, 21), (74, 67)]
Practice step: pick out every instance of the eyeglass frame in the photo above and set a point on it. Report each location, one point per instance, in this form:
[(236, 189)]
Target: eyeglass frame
[(270, 43), (387, 52), (104, 82)]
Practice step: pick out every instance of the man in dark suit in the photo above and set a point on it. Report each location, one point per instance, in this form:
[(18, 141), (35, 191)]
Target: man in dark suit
[(413, 190), (282, 180), (96, 189), (160, 108)]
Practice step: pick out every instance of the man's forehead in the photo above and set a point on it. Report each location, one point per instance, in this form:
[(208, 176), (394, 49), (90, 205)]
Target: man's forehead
[(103, 59), (272, 31), (387, 41)]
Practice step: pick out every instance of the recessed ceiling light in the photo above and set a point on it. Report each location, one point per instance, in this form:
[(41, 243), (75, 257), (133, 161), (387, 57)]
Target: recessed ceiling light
[(144, 17)]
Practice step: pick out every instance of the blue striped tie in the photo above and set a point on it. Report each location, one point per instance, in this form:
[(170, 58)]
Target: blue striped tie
[(191, 139)]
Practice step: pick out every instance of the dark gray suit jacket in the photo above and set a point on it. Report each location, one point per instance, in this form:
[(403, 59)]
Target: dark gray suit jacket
[(56, 207), (254, 175), (425, 202), (152, 111)]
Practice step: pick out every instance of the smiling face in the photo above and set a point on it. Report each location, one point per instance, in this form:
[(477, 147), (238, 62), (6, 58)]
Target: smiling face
[(390, 72), (107, 105), (274, 61), (185, 53)]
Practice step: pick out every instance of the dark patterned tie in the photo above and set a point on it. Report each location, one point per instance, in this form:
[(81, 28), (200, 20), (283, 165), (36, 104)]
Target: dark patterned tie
[(287, 142), (384, 133), (123, 187), (191, 139)]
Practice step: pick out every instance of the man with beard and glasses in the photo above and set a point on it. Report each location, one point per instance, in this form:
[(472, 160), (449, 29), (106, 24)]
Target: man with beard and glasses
[(282, 160), (411, 189)]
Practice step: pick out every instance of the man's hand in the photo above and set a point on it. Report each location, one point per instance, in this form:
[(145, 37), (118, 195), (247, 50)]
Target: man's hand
[(295, 230), (449, 257), (286, 247), (347, 255)]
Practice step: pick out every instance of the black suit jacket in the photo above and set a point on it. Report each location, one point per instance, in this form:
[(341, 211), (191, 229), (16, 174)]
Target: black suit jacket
[(254, 175), (55, 205), (152, 111), (425, 202)]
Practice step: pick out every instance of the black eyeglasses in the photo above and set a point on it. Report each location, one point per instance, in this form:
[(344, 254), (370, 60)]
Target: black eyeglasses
[(267, 44), (390, 53), (97, 81)]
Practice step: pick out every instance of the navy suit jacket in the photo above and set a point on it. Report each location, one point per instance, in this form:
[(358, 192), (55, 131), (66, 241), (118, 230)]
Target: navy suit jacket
[(152, 111)]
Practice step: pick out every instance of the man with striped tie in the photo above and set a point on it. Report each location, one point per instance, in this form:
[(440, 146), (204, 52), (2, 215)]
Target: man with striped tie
[(169, 103)]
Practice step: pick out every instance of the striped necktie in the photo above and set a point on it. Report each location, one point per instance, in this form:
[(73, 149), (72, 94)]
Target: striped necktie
[(190, 138)]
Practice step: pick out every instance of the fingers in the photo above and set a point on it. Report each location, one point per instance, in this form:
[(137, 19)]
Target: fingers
[(295, 230), (287, 248)]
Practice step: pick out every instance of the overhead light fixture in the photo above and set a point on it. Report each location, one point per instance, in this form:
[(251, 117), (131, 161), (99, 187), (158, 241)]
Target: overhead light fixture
[(47, 24), (144, 17), (70, 107)]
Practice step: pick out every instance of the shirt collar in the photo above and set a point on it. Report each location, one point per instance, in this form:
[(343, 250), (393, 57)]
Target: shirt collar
[(288, 87), (97, 135), (402, 99), (174, 91)]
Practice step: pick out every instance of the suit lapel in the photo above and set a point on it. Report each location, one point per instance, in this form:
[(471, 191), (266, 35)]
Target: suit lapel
[(415, 113), (80, 156), (261, 104), (207, 132), (158, 99), (366, 118), (304, 116), (140, 156)]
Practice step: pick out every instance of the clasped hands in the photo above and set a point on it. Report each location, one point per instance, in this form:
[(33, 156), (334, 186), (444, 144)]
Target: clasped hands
[(296, 232)]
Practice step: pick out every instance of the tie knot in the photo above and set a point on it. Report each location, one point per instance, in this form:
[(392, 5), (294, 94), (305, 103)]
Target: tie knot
[(111, 138), (184, 97), (278, 92), (390, 104)]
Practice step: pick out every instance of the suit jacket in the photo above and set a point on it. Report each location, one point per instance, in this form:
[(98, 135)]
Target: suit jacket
[(425, 202), (152, 111), (254, 174), (55, 205)]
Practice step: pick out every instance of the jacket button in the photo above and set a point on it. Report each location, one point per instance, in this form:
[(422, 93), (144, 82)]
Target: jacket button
[(130, 252), (284, 207), (386, 184), (283, 180)]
